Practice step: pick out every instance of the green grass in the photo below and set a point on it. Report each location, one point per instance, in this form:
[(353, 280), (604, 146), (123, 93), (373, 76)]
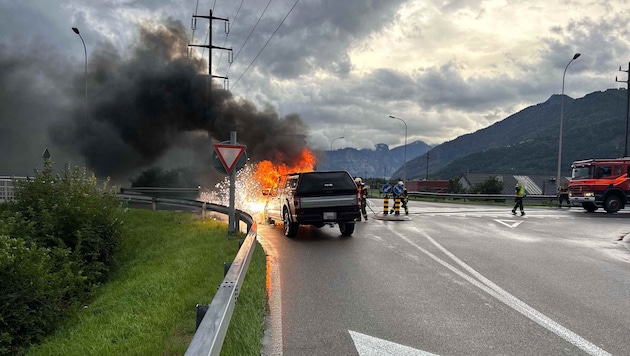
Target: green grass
[(167, 263)]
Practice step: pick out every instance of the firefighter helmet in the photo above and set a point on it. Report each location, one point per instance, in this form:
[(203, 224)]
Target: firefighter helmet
[(401, 183), (358, 180)]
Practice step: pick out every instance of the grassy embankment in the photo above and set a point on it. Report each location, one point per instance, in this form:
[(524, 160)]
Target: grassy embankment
[(167, 263)]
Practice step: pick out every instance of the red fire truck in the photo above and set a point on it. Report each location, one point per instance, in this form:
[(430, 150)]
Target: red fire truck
[(599, 183)]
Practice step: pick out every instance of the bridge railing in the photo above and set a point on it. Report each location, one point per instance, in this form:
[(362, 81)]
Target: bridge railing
[(211, 331)]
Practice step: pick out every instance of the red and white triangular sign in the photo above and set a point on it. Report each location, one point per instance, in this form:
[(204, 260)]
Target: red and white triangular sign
[(229, 155)]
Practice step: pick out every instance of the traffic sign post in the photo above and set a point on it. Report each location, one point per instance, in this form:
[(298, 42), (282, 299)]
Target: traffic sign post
[(386, 189), (232, 157)]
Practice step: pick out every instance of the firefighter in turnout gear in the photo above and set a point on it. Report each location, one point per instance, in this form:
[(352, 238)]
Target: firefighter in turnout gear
[(563, 195), (519, 194), (363, 194), (403, 198)]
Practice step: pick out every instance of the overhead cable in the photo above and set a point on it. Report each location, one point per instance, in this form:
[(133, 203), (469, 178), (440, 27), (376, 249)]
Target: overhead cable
[(265, 45), (226, 36)]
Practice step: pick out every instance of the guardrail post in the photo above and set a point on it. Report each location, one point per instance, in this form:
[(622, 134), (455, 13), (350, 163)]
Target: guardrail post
[(201, 310), (203, 210), (154, 203)]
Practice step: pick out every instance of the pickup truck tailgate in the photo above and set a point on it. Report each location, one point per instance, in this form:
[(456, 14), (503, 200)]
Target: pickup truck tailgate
[(328, 201)]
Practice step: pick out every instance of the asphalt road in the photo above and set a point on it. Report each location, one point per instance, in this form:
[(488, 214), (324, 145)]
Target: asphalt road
[(453, 280)]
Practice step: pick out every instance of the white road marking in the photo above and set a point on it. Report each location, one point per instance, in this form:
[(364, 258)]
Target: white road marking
[(497, 292), (272, 339), (367, 345), (509, 223)]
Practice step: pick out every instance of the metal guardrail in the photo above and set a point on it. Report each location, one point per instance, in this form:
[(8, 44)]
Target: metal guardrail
[(211, 331), (537, 197), (210, 334)]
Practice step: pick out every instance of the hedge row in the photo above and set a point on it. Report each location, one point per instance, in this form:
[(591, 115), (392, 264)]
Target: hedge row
[(57, 243)]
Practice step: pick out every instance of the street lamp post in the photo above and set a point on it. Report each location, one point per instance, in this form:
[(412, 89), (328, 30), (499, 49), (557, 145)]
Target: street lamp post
[(405, 150), (426, 178), (331, 146), (85, 104), (575, 56), (76, 30)]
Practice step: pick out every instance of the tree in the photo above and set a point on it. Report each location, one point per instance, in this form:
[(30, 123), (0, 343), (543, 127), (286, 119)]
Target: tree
[(454, 186), (492, 185)]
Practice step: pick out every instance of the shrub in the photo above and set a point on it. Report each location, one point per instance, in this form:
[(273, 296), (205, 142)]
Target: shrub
[(58, 241), (34, 280), (71, 211)]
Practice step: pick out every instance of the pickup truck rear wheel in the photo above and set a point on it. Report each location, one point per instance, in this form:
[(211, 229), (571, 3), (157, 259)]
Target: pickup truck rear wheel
[(346, 229), (290, 228)]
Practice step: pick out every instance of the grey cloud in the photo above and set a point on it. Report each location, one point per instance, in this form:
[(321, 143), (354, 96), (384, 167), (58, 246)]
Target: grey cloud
[(317, 35)]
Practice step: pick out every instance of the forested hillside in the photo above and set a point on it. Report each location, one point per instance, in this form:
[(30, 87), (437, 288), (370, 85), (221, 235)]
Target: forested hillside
[(527, 142)]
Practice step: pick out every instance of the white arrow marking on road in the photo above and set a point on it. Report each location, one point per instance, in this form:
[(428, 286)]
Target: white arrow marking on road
[(371, 346), (509, 223)]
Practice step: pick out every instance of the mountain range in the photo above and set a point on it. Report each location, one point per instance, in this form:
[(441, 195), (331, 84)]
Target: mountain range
[(380, 162), (526, 142)]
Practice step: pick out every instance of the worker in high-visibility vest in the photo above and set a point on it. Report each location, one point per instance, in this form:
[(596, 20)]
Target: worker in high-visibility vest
[(519, 194), (563, 195)]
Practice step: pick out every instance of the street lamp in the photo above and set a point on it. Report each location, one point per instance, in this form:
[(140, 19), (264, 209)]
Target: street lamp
[(575, 56), (331, 142), (76, 30), (426, 178), (405, 151)]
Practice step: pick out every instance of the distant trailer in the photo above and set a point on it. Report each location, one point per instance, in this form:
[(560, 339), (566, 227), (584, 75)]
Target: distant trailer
[(7, 188)]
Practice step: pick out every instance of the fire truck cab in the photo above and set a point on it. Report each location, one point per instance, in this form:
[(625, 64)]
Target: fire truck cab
[(599, 183)]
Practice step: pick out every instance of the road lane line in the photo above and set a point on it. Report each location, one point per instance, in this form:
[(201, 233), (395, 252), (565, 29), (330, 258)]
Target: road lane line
[(492, 289), (272, 338)]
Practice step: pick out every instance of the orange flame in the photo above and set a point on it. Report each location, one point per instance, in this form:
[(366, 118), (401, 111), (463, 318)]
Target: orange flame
[(267, 173)]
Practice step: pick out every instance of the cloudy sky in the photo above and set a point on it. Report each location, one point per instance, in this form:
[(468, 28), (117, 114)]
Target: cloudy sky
[(339, 68)]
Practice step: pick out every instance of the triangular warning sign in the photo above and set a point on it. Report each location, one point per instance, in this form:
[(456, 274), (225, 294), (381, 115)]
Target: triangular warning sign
[(229, 155)]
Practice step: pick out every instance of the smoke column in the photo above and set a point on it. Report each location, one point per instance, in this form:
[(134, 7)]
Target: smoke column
[(145, 103)]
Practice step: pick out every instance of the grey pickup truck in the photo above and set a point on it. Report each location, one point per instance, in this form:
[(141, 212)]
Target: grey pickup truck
[(314, 198)]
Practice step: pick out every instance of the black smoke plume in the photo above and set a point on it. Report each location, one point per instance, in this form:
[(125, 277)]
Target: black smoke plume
[(152, 100)]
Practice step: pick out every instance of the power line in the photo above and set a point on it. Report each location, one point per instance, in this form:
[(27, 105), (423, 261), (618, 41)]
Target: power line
[(193, 26), (265, 45), (210, 17), (226, 37), (252, 31)]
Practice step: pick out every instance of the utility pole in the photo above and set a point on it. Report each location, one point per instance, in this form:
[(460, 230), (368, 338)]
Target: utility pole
[(209, 46), (426, 178), (625, 142)]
